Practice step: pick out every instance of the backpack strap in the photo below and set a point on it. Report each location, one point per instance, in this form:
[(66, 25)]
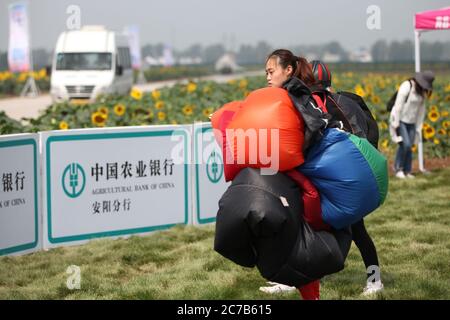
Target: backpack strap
[(319, 102), (410, 89)]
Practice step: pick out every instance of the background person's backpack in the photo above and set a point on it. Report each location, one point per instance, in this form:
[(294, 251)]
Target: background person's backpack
[(391, 102)]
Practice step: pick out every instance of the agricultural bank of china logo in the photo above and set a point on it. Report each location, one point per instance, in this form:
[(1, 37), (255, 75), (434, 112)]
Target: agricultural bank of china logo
[(214, 167), (73, 180)]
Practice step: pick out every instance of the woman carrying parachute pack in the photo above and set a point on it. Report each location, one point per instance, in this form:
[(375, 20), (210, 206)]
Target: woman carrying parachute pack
[(318, 250), (301, 143), (334, 151)]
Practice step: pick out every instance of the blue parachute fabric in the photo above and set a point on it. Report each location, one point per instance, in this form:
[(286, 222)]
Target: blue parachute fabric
[(343, 177)]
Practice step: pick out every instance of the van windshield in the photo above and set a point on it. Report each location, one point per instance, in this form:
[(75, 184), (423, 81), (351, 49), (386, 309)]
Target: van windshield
[(84, 61)]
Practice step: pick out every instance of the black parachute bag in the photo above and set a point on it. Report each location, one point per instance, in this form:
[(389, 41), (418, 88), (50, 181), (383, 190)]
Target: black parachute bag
[(259, 223), (372, 133), (315, 120)]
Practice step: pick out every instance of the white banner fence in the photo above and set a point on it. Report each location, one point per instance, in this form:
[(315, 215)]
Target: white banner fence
[(64, 188)]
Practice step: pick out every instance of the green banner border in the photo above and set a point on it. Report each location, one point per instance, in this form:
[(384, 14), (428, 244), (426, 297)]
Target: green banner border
[(105, 136), (31, 245), (201, 129)]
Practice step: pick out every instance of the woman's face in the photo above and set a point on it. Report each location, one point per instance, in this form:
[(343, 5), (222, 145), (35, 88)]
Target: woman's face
[(276, 74)]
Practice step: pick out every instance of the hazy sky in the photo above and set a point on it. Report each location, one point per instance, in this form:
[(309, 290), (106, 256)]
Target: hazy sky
[(185, 22)]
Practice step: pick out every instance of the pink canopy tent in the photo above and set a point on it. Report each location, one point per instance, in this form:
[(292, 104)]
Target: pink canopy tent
[(427, 21)]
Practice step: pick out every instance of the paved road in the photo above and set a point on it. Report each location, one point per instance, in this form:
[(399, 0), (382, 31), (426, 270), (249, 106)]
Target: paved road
[(18, 108)]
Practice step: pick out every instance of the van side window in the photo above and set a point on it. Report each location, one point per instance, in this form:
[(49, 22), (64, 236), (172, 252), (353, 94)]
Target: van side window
[(124, 57), (127, 52)]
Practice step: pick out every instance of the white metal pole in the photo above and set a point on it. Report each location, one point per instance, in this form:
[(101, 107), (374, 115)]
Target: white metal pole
[(417, 49), (417, 67)]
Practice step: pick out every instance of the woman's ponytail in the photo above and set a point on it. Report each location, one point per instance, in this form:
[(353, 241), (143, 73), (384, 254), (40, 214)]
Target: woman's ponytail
[(304, 71)]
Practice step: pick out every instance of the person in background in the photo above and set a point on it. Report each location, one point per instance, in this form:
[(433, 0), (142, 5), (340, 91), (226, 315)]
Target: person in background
[(407, 117)]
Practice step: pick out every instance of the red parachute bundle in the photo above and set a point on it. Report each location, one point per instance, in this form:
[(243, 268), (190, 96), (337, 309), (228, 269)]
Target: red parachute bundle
[(263, 131)]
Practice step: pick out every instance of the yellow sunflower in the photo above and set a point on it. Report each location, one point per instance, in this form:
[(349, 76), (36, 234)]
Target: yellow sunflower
[(63, 125), (191, 87), (98, 118), (446, 124), (428, 133), (360, 91), (385, 143), (159, 104), (434, 108), (243, 84), (414, 148), (383, 125), (376, 100), (433, 115), (22, 77), (161, 116), (447, 98), (436, 141), (207, 112), (103, 110), (42, 73), (156, 94), (444, 114), (119, 109), (442, 132), (136, 94), (188, 110)]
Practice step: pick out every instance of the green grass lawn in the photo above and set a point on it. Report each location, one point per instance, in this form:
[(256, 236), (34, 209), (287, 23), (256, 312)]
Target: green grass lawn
[(411, 232)]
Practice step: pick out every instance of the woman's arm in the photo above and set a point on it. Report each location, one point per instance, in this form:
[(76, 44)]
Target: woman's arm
[(419, 121)]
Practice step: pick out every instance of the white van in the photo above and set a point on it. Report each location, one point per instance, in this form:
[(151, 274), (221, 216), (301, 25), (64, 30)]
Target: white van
[(88, 62)]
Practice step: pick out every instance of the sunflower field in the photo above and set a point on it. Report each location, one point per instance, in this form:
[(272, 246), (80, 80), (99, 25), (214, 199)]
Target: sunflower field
[(13, 83), (195, 101), (178, 72)]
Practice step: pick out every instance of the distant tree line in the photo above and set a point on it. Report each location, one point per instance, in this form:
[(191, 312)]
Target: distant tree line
[(403, 51), (381, 51)]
